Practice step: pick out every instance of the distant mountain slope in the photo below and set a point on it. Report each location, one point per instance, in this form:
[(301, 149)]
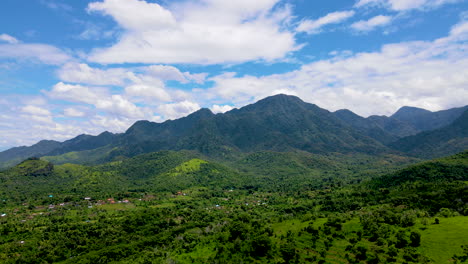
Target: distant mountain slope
[(425, 120), (85, 142), (372, 128), (444, 141), (407, 121), (13, 156), (393, 126)]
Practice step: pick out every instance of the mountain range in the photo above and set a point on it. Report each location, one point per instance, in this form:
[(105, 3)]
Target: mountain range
[(279, 123)]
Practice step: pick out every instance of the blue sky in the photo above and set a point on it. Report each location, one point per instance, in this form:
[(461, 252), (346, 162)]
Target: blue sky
[(73, 67)]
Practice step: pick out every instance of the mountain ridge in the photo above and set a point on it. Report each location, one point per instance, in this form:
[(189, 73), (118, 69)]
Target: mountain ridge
[(277, 123)]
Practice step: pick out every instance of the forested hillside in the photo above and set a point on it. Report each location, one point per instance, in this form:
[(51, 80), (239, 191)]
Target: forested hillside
[(181, 207)]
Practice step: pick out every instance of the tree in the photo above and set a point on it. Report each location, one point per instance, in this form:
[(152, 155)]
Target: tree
[(402, 239), (415, 239)]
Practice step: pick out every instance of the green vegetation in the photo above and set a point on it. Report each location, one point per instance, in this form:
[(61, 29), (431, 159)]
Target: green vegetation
[(261, 207)]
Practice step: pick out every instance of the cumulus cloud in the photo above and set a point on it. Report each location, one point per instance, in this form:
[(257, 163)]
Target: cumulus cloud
[(154, 74), (35, 110), (371, 24), (120, 106), (18, 120), (432, 75), (171, 73), (83, 73), (9, 39), (36, 52), (315, 26), (200, 32), (154, 91), (98, 97), (77, 93), (404, 5), (37, 114), (179, 109)]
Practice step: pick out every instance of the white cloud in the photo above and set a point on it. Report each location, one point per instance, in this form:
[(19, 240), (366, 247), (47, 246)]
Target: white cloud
[(83, 73), (166, 73), (37, 52), (150, 76), (152, 91), (176, 110), (315, 26), (99, 97), (221, 108), (432, 75), (460, 30), (22, 124), (35, 110), (112, 123), (9, 39), (135, 15), (120, 106), (404, 5), (36, 114), (186, 32), (73, 112), (77, 93), (371, 24)]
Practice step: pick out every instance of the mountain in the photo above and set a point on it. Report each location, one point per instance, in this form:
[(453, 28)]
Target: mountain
[(375, 128), (443, 141), (381, 128), (12, 156), (84, 142), (425, 120), (407, 121), (393, 126), (15, 155), (279, 123)]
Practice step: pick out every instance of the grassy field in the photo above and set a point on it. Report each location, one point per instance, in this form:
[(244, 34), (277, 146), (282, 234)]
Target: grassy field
[(440, 242)]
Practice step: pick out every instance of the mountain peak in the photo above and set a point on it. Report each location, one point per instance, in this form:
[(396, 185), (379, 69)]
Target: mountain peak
[(406, 112), (279, 103), (347, 114), (201, 113), (282, 99)]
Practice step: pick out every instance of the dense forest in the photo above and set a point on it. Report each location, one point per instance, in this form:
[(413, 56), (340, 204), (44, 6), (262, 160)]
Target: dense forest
[(179, 207)]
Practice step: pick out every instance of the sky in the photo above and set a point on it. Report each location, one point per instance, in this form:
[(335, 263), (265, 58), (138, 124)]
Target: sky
[(70, 67)]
